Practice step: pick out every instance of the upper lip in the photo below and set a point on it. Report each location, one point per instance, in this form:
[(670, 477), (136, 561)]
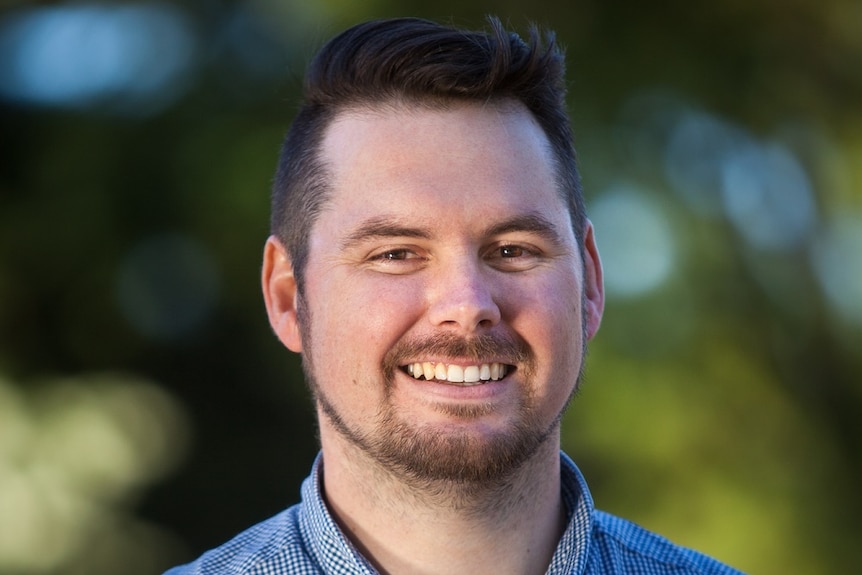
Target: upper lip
[(458, 361)]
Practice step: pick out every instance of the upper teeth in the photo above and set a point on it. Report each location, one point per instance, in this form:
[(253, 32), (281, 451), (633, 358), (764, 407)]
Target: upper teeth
[(457, 373)]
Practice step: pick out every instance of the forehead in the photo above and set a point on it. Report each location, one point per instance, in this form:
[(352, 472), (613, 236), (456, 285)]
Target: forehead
[(459, 159), (440, 131)]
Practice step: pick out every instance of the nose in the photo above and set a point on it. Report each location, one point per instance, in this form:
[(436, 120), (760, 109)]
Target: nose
[(462, 298)]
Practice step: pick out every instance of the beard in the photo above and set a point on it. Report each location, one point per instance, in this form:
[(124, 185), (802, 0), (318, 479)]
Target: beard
[(426, 456)]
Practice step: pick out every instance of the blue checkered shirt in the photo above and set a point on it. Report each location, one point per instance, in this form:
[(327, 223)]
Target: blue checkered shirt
[(305, 540)]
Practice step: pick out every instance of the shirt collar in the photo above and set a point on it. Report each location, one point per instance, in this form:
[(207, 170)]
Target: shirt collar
[(331, 550), (336, 554), (573, 549)]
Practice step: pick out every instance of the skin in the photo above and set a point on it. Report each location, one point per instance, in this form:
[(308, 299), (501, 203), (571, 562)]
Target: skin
[(443, 223)]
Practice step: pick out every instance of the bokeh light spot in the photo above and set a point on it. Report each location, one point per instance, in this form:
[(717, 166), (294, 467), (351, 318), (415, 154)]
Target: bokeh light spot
[(167, 287), (635, 241), (92, 444), (767, 196), (133, 58), (837, 261), (696, 149)]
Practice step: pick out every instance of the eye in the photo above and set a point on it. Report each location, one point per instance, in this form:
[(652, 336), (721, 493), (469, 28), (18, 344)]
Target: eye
[(513, 257), (394, 255), (396, 260), (511, 251)]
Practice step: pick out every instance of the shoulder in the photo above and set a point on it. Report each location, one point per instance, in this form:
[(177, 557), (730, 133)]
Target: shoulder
[(272, 547), (621, 546)]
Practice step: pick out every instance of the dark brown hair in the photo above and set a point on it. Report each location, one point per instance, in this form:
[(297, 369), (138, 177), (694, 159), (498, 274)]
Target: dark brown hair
[(417, 62)]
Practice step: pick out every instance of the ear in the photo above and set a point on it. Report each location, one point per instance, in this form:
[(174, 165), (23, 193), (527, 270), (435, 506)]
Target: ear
[(280, 294), (594, 289)]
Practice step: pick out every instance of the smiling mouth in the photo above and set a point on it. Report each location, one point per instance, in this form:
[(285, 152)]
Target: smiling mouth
[(469, 375)]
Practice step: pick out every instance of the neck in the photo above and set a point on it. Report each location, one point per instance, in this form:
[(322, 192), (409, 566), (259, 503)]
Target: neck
[(511, 526)]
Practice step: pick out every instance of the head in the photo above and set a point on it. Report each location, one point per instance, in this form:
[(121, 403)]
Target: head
[(427, 213), (414, 62)]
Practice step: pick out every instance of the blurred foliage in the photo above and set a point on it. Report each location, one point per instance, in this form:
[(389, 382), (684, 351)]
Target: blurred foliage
[(75, 455), (721, 150)]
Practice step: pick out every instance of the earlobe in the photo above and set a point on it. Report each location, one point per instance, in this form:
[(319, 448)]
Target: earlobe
[(280, 294), (594, 290)]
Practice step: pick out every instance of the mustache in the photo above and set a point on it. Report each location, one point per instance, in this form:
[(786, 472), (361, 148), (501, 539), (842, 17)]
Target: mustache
[(502, 347)]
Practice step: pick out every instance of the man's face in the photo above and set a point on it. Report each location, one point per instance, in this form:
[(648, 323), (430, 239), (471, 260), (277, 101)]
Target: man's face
[(446, 303)]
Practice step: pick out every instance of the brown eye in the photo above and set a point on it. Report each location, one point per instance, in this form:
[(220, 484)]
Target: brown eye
[(394, 255), (511, 251)]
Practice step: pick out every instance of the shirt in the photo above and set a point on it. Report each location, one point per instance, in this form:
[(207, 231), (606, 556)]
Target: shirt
[(305, 540)]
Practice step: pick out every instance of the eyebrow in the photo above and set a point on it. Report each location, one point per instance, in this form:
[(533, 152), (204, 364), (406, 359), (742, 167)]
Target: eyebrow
[(382, 227), (390, 227), (532, 222)]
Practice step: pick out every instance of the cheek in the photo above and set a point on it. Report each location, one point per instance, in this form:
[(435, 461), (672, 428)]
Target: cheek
[(549, 317), (552, 307), (360, 317)]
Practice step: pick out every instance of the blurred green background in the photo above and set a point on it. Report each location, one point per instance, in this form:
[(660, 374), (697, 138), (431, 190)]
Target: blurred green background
[(147, 413)]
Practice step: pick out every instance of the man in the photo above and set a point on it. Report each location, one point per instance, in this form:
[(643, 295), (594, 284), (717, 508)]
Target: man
[(432, 262)]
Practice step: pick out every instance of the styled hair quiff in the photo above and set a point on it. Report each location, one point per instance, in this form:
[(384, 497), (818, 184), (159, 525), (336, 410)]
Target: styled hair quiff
[(410, 61)]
